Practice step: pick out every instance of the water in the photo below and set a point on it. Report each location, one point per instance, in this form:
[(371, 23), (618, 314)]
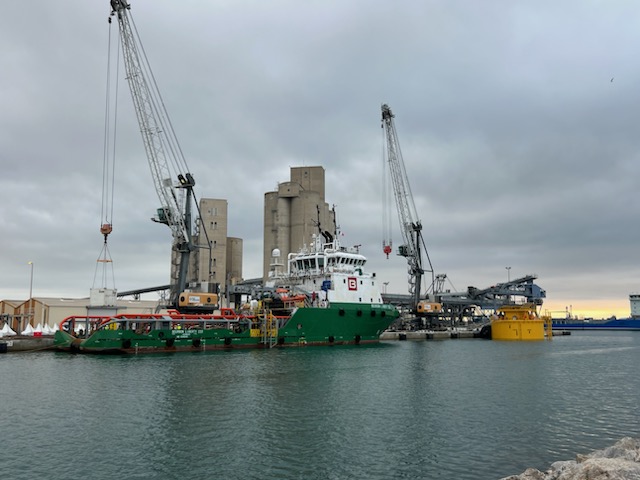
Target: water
[(454, 409)]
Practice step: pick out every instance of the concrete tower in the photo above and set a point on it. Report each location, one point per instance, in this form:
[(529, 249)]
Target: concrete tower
[(291, 213), (213, 272)]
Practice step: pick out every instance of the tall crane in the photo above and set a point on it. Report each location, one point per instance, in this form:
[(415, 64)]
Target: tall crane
[(173, 182), (410, 224)]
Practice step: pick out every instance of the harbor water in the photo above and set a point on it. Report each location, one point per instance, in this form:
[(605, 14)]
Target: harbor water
[(452, 409)]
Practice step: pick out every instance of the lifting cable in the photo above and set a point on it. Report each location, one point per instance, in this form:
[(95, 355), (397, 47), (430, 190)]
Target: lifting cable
[(108, 173)]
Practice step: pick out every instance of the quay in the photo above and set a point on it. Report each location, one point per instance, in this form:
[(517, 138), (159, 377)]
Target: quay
[(429, 335), (443, 335), (25, 344)]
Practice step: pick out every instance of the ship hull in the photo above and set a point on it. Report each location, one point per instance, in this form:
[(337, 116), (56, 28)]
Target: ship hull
[(336, 325), (622, 324)]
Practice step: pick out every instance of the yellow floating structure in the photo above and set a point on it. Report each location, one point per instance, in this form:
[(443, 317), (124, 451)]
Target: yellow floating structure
[(519, 322)]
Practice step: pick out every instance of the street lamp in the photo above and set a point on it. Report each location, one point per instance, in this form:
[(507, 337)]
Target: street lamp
[(31, 281), (29, 312), (385, 286), (508, 273)]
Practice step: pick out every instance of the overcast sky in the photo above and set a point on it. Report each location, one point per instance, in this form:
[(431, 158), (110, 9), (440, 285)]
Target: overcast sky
[(518, 120)]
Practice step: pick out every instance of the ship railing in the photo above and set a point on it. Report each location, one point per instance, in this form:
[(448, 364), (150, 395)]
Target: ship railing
[(269, 327), (308, 302), (82, 325)]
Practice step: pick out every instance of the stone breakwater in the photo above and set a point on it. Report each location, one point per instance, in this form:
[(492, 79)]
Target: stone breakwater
[(618, 462)]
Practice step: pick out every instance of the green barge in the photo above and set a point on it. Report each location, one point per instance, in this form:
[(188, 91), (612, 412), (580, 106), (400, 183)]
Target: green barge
[(333, 325)]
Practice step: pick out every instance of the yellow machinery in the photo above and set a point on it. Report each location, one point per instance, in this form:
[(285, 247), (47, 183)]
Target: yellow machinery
[(519, 322), (425, 308), (195, 302)]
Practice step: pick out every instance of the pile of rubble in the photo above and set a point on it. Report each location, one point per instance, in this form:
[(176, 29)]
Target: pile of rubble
[(619, 462)]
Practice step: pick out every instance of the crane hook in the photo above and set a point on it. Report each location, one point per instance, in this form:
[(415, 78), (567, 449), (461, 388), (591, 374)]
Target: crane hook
[(105, 230)]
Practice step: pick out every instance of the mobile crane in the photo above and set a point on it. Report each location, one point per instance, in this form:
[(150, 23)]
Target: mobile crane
[(410, 224), (173, 182), (442, 305)]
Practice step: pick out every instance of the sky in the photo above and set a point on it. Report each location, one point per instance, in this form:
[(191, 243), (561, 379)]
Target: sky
[(518, 123)]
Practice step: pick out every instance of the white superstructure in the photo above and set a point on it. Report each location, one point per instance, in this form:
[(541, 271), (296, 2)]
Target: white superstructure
[(634, 300), (327, 272)]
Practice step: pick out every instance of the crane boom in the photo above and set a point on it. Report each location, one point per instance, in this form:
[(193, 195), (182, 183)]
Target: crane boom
[(173, 184), (410, 225)]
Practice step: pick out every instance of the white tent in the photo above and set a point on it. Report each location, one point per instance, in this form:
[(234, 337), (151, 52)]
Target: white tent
[(6, 331), (47, 330), (28, 330)]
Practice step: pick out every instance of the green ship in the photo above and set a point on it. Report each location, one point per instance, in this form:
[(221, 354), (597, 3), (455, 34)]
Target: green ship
[(324, 298)]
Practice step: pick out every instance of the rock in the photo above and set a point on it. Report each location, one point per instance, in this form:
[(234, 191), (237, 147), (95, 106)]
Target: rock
[(529, 474), (627, 449), (618, 462)]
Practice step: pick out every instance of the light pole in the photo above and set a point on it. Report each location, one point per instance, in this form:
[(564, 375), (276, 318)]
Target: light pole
[(508, 273), (30, 310), (385, 286), (31, 281)]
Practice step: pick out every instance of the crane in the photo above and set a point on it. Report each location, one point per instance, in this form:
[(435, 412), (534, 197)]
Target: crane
[(172, 180), (410, 224)]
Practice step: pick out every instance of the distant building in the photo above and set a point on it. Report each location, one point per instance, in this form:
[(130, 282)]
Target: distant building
[(51, 311), (634, 300), (291, 213)]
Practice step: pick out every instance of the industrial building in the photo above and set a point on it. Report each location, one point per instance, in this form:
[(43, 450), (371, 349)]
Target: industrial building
[(292, 213), (51, 311), (217, 261)]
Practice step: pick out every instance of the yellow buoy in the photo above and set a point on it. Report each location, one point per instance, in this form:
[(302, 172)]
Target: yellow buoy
[(518, 322)]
